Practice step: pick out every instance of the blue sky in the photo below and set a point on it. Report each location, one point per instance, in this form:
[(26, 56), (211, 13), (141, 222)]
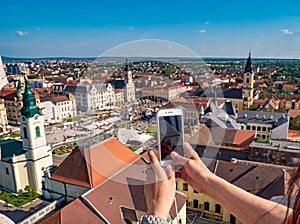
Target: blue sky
[(210, 28)]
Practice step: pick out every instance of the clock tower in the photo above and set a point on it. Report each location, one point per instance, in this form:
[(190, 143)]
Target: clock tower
[(129, 84), (248, 84), (38, 154)]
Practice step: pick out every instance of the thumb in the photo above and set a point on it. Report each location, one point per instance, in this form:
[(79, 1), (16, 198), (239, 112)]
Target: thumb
[(178, 159)]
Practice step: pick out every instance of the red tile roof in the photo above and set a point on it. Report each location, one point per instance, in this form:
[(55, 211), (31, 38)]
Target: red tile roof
[(58, 99), (4, 93), (260, 101), (258, 179), (294, 134), (289, 86), (91, 166), (294, 113), (75, 212), (118, 198), (242, 136), (125, 189), (222, 136)]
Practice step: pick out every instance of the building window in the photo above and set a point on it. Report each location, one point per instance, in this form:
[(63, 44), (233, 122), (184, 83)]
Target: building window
[(6, 171), (25, 132), (264, 129), (248, 127), (185, 186), (218, 208), (37, 131), (195, 203), (258, 128), (206, 206)]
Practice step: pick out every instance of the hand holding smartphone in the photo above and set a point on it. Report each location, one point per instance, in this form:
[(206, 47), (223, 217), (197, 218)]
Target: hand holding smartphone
[(170, 135)]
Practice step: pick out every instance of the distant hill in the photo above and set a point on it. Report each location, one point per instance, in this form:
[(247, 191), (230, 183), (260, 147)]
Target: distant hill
[(10, 59), (211, 59)]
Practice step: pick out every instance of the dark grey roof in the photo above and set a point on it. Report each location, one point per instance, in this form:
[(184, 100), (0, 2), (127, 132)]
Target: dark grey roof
[(228, 107), (9, 148), (118, 84), (218, 117), (74, 89), (260, 117), (219, 93)]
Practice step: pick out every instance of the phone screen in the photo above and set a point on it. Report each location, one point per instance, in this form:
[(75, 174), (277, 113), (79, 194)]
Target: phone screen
[(171, 135)]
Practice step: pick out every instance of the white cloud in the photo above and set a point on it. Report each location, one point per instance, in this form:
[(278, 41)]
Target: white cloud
[(207, 22), (286, 32), (21, 33), (202, 31)]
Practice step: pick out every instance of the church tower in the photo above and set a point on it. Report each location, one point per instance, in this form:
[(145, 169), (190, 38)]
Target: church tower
[(248, 84), (3, 78), (129, 84), (38, 153)]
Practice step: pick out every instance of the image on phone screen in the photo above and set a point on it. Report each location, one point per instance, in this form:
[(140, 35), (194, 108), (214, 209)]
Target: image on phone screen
[(171, 135)]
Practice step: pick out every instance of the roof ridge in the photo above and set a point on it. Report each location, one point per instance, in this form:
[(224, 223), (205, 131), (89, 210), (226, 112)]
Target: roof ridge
[(92, 208), (89, 166), (243, 174), (115, 174), (262, 191)]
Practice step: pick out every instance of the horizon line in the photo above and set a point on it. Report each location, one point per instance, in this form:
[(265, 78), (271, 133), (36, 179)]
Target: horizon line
[(162, 57)]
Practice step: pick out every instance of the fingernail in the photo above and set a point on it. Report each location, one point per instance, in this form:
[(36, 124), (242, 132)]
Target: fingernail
[(174, 154)]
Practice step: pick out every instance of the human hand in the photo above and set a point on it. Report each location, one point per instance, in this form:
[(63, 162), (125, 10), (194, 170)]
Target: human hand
[(160, 188), (193, 171)]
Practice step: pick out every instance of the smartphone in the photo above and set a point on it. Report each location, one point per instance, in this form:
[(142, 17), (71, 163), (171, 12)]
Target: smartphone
[(170, 135)]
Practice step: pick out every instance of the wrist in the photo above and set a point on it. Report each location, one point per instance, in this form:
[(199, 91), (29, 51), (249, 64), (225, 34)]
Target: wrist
[(161, 212), (210, 185)]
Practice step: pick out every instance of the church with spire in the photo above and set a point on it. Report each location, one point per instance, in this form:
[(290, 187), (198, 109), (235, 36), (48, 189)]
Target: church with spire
[(125, 85), (248, 84), (24, 161), (129, 92), (241, 98)]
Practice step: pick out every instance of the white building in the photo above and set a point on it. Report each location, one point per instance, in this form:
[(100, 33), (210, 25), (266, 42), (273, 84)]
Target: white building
[(58, 108), (92, 97), (15, 68), (23, 162), (3, 78)]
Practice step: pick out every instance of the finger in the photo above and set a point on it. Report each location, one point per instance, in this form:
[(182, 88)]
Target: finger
[(157, 169), (152, 157), (178, 159), (170, 172), (190, 152)]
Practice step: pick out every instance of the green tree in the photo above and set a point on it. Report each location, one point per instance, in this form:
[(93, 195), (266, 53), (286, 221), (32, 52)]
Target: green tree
[(295, 123), (254, 106)]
